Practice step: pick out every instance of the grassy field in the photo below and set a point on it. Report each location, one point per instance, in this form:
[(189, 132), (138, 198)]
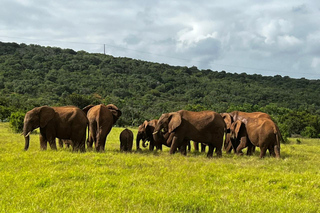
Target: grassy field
[(62, 181)]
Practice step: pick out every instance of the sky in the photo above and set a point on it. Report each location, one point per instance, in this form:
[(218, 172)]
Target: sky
[(238, 36)]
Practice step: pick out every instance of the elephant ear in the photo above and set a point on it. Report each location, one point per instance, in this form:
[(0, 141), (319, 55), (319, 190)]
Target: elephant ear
[(174, 121), (145, 124), (227, 119), (46, 114), (115, 112), (153, 123), (239, 128)]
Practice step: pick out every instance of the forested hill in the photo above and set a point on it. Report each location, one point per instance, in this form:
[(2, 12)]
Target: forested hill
[(32, 75)]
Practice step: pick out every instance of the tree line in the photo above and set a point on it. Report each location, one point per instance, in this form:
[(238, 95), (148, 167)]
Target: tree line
[(33, 75)]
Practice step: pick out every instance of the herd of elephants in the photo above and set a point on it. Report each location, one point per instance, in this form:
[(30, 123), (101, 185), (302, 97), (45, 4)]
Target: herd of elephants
[(229, 131)]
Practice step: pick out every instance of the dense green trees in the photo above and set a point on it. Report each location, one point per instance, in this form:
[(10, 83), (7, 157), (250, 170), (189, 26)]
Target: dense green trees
[(31, 75)]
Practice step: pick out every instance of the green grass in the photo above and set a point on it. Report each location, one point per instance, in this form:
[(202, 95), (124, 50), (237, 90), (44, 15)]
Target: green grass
[(62, 181)]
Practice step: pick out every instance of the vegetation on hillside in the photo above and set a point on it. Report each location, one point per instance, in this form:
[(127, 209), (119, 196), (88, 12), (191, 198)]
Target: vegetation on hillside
[(32, 75)]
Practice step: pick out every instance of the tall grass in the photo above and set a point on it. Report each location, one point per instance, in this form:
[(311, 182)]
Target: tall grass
[(62, 181)]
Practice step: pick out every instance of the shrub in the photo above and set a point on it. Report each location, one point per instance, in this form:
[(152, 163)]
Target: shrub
[(309, 132), (16, 121)]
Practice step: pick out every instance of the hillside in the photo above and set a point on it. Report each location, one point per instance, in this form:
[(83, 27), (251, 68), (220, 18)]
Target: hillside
[(32, 75)]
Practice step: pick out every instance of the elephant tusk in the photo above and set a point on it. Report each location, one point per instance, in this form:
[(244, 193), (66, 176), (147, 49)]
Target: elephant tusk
[(27, 134), (154, 133)]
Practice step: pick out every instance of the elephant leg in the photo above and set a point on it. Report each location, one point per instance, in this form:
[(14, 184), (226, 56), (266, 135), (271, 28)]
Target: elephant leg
[(228, 147), (189, 145), (219, 152), (239, 149), (101, 143), (271, 151), (174, 145), (159, 147), (263, 150), (203, 148), (210, 152), (82, 144), (253, 149), (196, 146), (90, 141), (242, 145), (43, 142), (151, 145), (74, 146), (277, 151), (249, 149), (60, 143), (53, 144), (183, 149)]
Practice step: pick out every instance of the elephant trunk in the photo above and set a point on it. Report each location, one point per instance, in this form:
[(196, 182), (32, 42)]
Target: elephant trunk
[(139, 137), (26, 133), (144, 143), (157, 136), (26, 146)]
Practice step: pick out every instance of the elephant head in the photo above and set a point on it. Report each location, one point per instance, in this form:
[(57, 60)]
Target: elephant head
[(237, 130), (37, 117), (167, 123), (228, 119), (115, 112), (145, 131), (142, 134)]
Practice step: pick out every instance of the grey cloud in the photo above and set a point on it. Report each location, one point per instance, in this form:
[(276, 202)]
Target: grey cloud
[(217, 35)]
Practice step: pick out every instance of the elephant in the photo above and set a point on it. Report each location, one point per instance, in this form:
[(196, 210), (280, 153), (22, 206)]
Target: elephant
[(145, 131), (68, 122), (260, 132), (126, 140), (101, 119), (231, 117), (206, 127)]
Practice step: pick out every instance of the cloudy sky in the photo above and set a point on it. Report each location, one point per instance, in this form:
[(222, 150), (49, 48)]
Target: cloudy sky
[(263, 37)]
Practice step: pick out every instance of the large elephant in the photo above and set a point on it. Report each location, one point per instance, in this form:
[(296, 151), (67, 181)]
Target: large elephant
[(261, 132), (205, 127), (101, 119), (67, 122), (231, 117), (126, 140)]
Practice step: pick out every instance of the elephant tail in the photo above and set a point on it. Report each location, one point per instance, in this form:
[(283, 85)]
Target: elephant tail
[(277, 145), (88, 134)]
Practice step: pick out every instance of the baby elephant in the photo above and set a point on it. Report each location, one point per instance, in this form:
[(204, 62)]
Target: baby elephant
[(126, 140)]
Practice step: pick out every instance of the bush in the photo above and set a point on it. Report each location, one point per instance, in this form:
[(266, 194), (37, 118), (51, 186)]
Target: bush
[(309, 132), (4, 113), (16, 121)]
